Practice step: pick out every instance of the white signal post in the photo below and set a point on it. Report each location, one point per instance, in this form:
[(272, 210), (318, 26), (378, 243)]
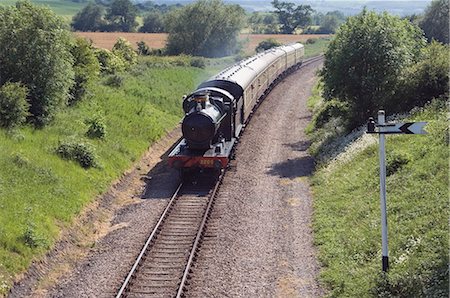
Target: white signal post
[(384, 234), (388, 128)]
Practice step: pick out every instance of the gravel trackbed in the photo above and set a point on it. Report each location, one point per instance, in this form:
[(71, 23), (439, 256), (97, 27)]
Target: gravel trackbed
[(259, 241)]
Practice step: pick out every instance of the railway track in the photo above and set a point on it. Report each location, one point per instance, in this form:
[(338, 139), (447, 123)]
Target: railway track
[(162, 267)]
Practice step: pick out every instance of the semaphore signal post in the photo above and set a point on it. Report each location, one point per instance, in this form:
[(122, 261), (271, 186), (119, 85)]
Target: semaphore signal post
[(382, 128)]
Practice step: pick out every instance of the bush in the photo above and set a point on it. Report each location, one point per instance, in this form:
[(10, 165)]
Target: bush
[(109, 62), (427, 79), (114, 81), (123, 49), (86, 68), (328, 110), (34, 50), (13, 104), (311, 41), (367, 61), (142, 48), (198, 62), (80, 152), (96, 128), (267, 44)]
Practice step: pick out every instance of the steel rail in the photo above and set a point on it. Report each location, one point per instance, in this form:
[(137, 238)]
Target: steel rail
[(198, 237), (147, 244)]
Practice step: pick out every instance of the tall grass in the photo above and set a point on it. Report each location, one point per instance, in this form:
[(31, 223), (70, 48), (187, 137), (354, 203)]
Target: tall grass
[(40, 193), (347, 214)]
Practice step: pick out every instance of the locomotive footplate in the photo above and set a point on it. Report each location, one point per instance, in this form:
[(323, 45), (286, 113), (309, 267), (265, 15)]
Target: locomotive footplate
[(217, 157)]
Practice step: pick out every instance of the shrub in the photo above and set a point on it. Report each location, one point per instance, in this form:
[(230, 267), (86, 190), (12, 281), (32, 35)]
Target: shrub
[(34, 50), (267, 44), (114, 81), (427, 79), (310, 41), (80, 152), (328, 110), (109, 62), (86, 68), (123, 49), (96, 128), (198, 62), (366, 62), (142, 48), (13, 104)]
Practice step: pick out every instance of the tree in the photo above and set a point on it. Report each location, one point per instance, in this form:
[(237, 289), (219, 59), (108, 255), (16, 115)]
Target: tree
[(292, 17), (435, 23), (367, 61), (204, 28), (90, 18), (34, 50), (153, 23), (122, 16), (86, 67), (13, 104), (267, 44)]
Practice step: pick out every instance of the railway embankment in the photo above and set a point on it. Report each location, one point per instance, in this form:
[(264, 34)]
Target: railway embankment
[(346, 221)]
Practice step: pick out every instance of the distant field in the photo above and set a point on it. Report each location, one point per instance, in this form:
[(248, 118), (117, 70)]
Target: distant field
[(63, 8), (158, 40)]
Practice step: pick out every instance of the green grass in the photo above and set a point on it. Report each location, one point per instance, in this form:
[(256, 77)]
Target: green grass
[(64, 8), (40, 193), (318, 47), (347, 216)]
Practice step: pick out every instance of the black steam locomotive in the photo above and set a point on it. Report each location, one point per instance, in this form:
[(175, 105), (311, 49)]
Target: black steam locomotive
[(217, 111)]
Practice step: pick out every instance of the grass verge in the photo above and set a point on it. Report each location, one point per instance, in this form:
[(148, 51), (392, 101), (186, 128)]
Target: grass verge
[(347, 213), (41, 193)]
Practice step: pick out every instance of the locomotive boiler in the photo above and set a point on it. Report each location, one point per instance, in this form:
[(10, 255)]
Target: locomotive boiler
[(217, 111)]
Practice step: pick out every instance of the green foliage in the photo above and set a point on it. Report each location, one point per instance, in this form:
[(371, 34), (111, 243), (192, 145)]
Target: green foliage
[(367, 61), (114, 80), (263, 23), (198, 62), (86, 68), (121, 15), (206, 28), (96, 127), (435, 22), (90, 18), (328, 110), (32, 175), (267, 44), (142, 48), (13, 104), (123, 49), (153, 23), (34, 50), (429, 78), (346, 194), (109, 62), (82, 153), (292, 17)]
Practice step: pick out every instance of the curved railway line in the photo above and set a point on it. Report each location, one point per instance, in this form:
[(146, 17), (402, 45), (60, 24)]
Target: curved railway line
[(163, 265)]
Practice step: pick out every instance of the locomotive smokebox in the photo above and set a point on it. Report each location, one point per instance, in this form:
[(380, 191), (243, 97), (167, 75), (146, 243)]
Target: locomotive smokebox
[(201, 122)]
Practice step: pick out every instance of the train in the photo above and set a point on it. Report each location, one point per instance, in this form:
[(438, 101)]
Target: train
[(218, 110)]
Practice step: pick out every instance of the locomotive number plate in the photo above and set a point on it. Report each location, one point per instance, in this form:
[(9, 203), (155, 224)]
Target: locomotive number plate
[(206, 162)]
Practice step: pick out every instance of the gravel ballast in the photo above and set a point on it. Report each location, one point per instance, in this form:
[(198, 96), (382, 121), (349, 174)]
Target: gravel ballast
[(258, 243)]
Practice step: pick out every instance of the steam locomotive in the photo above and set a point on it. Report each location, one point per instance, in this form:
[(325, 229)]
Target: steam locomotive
[(217, 111)]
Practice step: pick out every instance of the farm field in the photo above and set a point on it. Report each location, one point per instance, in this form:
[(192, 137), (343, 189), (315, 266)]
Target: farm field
[(64, 8), (106, 40)]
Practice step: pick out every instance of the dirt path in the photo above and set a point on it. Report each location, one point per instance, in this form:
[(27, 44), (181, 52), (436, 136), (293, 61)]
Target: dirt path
[(265, 200), (265, 246)]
